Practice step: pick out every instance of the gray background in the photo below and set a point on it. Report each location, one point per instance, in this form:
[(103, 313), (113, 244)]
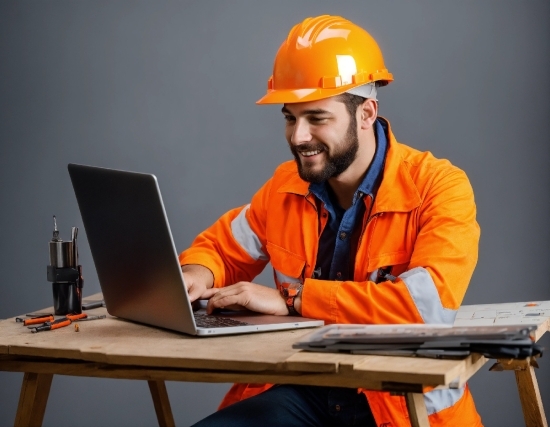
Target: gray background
[(169, 88)]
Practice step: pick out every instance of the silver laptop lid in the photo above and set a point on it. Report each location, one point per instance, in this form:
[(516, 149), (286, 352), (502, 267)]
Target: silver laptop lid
[(132, 247)]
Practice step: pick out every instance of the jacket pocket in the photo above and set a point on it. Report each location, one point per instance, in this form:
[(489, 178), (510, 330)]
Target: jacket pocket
[(287, 266), (401, 258), (398, 261)]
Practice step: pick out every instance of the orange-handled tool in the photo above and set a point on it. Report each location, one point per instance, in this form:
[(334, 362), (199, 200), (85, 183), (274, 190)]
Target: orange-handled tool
[(50, 326), (36, 320), (74, 317)]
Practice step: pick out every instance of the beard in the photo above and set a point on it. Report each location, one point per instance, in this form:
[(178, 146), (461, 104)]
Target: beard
[(336, 162)]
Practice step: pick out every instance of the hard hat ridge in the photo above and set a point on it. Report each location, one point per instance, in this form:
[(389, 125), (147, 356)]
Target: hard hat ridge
[(325, 56), (307, 32)]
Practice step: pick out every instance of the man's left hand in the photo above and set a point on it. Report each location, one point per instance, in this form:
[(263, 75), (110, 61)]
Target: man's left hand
[(251, 296)]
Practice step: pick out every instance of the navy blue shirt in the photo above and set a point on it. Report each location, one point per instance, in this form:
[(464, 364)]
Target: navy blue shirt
[(334, 257)]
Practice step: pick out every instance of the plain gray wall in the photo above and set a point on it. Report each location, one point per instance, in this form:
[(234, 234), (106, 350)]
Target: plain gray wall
[(169, 88)]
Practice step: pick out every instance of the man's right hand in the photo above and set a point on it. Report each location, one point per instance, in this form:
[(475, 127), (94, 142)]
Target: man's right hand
[(197, 280)]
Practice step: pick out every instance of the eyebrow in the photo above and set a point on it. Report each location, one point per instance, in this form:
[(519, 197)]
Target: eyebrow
[(285, 110)]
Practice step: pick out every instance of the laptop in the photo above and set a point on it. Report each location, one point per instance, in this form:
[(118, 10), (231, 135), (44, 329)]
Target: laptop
[(136, 259)]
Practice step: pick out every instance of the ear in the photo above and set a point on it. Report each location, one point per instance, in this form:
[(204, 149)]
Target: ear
[(368, 112)]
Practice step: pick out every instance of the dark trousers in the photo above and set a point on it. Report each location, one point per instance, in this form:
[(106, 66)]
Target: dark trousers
[(296, 405)]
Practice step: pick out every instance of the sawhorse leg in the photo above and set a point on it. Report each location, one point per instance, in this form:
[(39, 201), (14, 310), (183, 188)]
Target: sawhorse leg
[(162, 403), (417, 410), (33, 399), (529, 395), (528, 388)]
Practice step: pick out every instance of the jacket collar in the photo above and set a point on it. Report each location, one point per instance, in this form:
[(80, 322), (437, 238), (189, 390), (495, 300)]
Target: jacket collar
[(397, 191), (295, 184)]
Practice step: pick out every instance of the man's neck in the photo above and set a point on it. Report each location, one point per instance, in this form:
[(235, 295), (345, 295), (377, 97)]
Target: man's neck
[(346, 184)]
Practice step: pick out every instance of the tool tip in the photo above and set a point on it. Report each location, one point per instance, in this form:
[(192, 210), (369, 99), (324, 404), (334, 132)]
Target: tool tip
[(55, 230)]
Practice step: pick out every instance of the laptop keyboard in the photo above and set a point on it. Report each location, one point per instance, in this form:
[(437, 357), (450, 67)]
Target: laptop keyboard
[(207, 321)]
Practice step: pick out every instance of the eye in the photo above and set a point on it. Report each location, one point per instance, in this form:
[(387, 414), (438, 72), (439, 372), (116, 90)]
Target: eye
[(289, 119), (317, 120)]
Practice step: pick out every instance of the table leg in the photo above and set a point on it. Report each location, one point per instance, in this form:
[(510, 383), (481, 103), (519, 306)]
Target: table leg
[(162, 403), (417, 410), (529, 394), (33, 399)]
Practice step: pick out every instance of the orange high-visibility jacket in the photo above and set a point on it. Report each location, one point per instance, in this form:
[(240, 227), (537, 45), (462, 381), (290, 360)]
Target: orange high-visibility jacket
[(422, 223)]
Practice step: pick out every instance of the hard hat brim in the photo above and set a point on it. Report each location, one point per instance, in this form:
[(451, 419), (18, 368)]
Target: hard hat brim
[(290, 96), (299, 95)]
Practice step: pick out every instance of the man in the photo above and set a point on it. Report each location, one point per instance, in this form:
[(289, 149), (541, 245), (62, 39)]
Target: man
[(358, 229)]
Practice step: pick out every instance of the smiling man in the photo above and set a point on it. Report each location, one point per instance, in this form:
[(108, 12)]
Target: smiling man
[(358, 228)]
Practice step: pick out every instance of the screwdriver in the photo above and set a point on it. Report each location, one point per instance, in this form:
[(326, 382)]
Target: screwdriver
[(102, 316)]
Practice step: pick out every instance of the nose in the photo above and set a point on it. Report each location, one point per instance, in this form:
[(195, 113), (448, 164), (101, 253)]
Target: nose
[(300, 132)]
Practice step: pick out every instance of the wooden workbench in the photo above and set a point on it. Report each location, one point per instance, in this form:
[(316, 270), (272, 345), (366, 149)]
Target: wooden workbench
[(114, 348)]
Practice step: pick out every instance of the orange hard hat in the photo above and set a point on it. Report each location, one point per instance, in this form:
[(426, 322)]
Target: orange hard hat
[(322, 57)]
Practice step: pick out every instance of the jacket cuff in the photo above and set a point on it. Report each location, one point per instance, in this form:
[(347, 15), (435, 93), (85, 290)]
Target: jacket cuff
[(315, 295), (191, 257)]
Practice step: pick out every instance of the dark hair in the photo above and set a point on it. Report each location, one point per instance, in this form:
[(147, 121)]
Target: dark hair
[(351, 102)]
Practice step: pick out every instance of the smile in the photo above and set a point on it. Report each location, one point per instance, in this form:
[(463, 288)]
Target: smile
[(310, 153)]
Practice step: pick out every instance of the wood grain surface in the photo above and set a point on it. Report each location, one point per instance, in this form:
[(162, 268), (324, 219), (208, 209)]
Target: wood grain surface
[(113, 341)]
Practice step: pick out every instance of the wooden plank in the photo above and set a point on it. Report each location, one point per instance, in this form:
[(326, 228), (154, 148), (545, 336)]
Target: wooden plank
[(33, 399), (90, 369), (4, 336), (414, 370), (529, 395), (161, 403), (117, 341), (472, 364), (114, 341), (320, 362), (542, 329), (417, 410), (513, 364), (255, 352), (390, 369), (87, 369)]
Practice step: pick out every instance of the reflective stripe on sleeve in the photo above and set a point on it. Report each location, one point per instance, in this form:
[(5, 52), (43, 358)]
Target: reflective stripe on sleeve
[(437, 400), (245, 237), (426, 298)]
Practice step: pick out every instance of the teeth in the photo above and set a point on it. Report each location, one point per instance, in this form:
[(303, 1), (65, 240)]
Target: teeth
[(310, 153)]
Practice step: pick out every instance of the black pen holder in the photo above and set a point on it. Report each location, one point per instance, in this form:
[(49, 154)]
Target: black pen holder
[(66, 277), (67, 289)]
